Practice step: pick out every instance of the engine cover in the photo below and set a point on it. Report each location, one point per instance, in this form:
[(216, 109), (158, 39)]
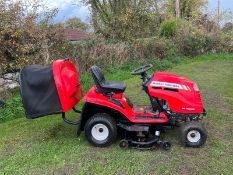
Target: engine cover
[(181, 94)]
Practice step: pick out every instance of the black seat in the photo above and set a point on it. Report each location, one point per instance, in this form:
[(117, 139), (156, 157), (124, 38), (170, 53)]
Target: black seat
[(105, 86)]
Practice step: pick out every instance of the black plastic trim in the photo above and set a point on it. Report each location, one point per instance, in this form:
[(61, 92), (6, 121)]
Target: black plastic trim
[(116, 102)]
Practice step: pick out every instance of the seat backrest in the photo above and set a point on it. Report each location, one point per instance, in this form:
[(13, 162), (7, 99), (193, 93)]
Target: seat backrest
[(98, 77)]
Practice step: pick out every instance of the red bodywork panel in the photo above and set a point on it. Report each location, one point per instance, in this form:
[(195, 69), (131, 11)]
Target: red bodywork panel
[(68, 83), (97, 98), (179, 92)]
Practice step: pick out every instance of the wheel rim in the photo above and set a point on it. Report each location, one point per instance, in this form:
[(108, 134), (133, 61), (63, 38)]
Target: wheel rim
[(193, 136), (100, 132)]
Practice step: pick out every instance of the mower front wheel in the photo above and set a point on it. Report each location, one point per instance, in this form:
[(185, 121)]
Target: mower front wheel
[(101, 130), (193, 134)]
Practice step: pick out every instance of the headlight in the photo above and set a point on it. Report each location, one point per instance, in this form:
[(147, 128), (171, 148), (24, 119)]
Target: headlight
[(195, 87)]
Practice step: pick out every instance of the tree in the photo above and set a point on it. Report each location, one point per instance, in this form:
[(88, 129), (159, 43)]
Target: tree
[(25, 34), (76, 23), (123, 19), (177, 8), (188, 9)]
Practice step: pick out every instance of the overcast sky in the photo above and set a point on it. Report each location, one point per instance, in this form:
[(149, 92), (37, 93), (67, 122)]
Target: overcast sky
[(70, 8)]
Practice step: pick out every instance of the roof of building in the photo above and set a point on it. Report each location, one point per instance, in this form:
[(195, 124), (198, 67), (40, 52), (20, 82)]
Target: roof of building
[(76, 35)]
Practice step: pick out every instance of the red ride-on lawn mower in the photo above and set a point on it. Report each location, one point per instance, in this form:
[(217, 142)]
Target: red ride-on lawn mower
[(107, 112)]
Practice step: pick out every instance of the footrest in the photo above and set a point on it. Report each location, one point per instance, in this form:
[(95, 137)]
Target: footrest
[(144, 109), (145, 117)]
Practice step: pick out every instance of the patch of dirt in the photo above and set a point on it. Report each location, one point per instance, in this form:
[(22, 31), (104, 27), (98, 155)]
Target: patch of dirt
[(64, 171), (185, 169), (216, 101)]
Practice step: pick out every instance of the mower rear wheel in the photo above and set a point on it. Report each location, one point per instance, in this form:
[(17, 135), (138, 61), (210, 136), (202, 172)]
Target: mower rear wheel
[(193, 134), (101, 130)]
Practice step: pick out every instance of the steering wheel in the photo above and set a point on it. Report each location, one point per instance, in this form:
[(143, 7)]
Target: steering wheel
[(141, 70)]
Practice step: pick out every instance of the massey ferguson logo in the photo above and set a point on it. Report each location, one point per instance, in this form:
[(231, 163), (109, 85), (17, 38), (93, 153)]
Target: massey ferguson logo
[(169, 85)]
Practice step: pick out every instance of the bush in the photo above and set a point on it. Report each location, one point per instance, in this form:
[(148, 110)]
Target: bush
[(96, 51), (108, 53), (25, 34), (192, 45), (168, 28), (154, 47), (190, 40), (13, 109), (219, 43)]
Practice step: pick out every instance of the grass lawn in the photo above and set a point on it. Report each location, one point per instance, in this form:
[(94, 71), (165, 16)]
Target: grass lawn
[(49, 146)]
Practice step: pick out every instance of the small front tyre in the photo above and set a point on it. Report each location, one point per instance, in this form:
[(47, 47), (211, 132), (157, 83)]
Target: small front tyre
[(124, 144), (101, 130), (193, 134), (166, 145)]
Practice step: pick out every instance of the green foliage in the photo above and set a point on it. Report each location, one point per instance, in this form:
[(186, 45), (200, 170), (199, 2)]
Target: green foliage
[(220, 43), (168, 28), (123, 19), (189, 40), (24, 36), (12, 110), (112, 52), (129, 30), (228, 28), (153, 48), (192, 44), (99, 51)]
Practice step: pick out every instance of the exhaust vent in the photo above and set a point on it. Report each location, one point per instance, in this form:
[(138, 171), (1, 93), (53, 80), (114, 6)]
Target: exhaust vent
[(170, 89)]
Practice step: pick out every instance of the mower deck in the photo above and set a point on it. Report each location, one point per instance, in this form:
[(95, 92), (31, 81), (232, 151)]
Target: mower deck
[(150, 143)]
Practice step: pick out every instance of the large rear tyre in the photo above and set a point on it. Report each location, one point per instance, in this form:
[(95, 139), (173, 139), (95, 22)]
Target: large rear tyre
[(193, 134), (101, 130)]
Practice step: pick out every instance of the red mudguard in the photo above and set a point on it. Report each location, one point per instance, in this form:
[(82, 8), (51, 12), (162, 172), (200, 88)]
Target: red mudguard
[(68, 83)]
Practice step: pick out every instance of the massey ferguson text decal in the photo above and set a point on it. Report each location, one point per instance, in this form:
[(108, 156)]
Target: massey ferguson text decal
[(168, 85)]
